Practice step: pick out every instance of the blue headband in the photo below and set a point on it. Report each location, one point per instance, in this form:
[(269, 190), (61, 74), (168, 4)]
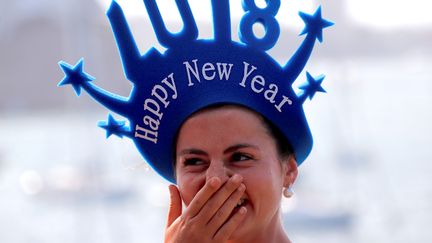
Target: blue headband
[(193, 74)]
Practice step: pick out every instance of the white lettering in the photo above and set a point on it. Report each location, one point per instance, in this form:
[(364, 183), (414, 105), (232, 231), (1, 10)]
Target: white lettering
[(284, 101), (146, 134), (157, 94), (154, 124), (271, 93), (246, 73), (155, 109), (190, 69), (171, 85), (258, 80), (223, 72), (208, 67)]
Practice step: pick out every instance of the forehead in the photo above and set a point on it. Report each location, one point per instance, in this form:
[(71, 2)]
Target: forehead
[(222, 126)]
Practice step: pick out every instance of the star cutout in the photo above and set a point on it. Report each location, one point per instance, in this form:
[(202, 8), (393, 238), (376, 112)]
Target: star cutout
[(112, 126), (74, 75), (313, 86), (315, 24)]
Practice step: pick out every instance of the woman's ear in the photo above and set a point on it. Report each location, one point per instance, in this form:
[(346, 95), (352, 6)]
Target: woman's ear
[(290, 172)]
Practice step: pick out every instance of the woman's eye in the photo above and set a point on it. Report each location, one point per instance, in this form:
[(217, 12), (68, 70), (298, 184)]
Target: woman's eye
[(241, 157), (193, 161)]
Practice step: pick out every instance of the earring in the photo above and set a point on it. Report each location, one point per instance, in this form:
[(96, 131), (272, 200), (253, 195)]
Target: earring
[(288, 192)]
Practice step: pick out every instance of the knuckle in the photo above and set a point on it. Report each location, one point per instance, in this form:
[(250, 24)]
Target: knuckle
[(198, 201), (229, 187), (190, 222), (220, 214), (183, 218), (230, 200)]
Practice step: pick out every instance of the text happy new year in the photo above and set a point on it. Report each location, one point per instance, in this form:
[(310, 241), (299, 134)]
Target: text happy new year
[(162, 94)]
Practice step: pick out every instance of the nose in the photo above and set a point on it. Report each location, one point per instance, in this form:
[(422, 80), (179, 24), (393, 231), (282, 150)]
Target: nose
[(218, 169)]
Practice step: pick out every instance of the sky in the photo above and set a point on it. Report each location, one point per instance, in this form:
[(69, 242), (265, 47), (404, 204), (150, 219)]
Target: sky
[(389, 14)]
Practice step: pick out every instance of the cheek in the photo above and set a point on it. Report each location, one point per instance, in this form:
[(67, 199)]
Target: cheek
[(189, 187), (264, 186)]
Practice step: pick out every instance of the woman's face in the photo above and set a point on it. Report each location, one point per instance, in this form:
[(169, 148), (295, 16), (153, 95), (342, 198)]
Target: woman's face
[(232, 140)]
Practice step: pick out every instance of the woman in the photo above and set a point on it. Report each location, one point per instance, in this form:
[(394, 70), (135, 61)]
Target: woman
[(231, 163), (231, 167)]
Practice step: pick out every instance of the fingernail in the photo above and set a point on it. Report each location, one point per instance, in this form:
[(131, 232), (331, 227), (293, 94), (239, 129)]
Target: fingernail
[(237, 178), (241, 188), (214, 182)]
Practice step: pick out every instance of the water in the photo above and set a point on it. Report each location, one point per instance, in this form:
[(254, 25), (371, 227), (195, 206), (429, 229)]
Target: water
[(367, 180)]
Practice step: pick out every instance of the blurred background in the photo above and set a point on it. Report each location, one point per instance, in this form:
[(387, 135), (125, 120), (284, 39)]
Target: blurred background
[(368, 178)]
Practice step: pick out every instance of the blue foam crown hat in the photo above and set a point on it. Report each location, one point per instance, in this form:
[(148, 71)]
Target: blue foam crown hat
[(195, 73)]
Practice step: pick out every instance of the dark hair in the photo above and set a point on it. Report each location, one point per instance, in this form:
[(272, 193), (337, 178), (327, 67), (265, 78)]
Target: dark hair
[(284, 148)]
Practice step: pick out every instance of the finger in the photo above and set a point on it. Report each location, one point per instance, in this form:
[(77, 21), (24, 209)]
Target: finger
[(225, 232), (203, 196), (225, 211), (219, 198), (175, 207)]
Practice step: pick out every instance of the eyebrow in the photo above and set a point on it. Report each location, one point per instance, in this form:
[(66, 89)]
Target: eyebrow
[(193, 151), (239, 146), (226, 151)]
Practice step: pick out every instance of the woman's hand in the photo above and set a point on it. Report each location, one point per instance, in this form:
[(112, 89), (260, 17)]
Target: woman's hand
[(207, 218)]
